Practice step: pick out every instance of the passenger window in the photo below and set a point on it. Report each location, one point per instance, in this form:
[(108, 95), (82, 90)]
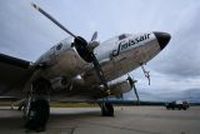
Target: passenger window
[(121, 37)]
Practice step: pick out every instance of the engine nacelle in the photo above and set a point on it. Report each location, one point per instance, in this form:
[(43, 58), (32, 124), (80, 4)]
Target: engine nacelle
[(119, 86), (78, 80), (59, 83)]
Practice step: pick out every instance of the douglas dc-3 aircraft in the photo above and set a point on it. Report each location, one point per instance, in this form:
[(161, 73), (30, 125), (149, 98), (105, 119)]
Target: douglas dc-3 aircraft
[(77, 69)]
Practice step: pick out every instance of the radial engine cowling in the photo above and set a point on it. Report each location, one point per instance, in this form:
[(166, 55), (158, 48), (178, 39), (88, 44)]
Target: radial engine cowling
[(118, 87), (59, 83)]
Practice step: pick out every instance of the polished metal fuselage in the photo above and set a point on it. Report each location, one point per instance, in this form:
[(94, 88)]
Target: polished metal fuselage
[(116, 56)]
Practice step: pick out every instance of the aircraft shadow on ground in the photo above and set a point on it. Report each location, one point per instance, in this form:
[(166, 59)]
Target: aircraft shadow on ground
[(16, 121)]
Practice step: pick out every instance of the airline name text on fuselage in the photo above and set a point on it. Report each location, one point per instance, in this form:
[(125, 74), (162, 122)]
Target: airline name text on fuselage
[(123, 45)]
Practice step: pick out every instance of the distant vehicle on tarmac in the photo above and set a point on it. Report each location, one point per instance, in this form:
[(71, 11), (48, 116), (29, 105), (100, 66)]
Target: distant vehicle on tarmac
[(177, 105)]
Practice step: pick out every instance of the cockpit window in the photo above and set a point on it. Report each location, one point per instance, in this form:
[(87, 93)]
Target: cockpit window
[(122, 36), (59, 46)]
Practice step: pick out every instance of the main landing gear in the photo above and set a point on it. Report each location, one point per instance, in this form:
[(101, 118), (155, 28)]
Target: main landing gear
[(107, 109), (36, 107), (37, 114)]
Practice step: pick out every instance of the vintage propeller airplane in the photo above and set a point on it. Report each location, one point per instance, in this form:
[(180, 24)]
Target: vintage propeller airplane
[(76, 69)]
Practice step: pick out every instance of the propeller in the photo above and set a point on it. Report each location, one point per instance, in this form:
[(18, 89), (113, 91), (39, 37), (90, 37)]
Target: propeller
[(84, 48), (93, 43), (94, 36), (132, 83)]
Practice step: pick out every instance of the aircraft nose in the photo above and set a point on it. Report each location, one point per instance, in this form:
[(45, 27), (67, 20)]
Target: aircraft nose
[(163, 38)]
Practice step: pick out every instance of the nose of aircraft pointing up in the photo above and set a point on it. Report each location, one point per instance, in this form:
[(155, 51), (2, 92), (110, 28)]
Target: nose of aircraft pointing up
[(163, 38)]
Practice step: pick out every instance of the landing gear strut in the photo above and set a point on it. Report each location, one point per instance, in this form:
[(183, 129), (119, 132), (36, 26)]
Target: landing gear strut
[(37, 114), (107, 109), (36, 107)]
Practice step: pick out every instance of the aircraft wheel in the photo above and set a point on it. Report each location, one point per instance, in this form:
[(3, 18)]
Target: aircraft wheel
[(38, 115), (107, 109)]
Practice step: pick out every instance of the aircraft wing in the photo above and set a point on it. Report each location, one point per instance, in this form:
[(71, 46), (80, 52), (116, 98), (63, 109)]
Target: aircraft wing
[(14, 73)]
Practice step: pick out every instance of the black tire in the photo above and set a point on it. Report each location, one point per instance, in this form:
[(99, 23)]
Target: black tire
[(107, 109), (38, 115), (167, 107)]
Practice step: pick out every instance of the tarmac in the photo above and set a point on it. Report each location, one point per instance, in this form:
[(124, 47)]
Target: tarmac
[(127, 120)]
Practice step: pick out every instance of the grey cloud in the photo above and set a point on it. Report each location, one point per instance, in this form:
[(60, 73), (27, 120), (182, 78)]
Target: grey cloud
[(182, 55)]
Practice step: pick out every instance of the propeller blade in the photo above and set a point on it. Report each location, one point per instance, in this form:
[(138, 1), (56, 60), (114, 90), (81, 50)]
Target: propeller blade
[(100, 73), (52, 19), (132, 83), (93, 43), (136, 94), (89, 56), (94, 36)]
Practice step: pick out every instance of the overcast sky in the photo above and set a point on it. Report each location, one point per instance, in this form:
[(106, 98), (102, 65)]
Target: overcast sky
[(25, 33)]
